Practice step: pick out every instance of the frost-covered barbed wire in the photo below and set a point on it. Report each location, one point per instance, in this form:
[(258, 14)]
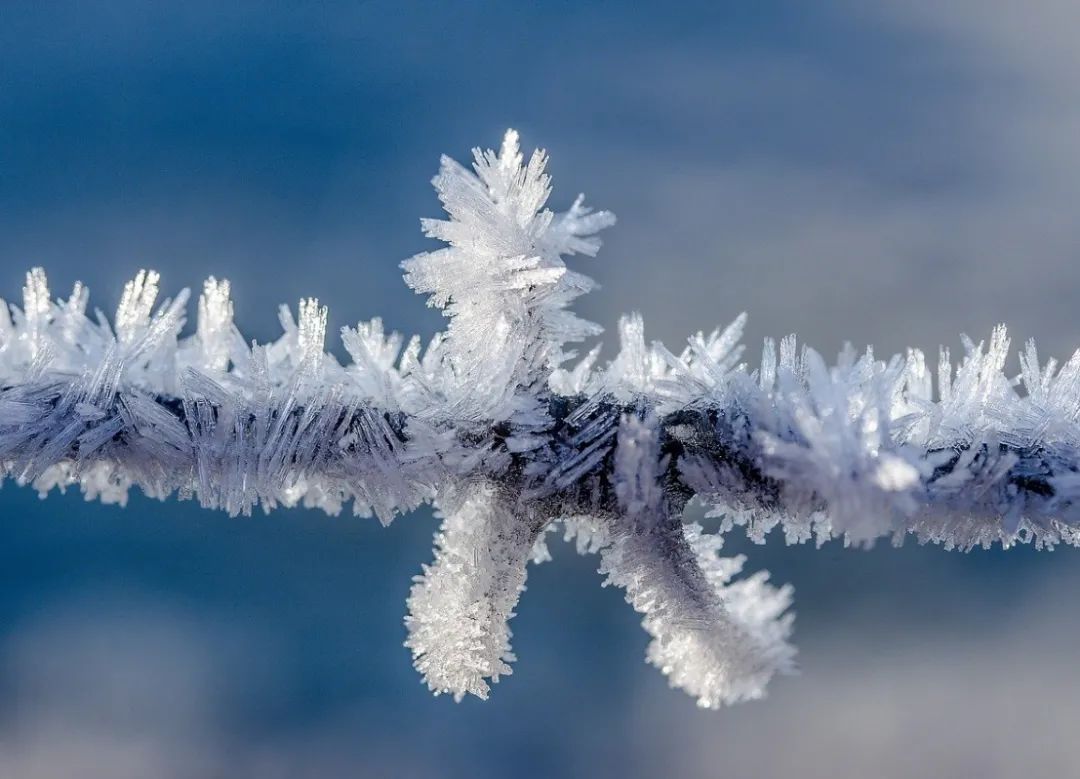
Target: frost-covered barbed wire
[(487, 423)]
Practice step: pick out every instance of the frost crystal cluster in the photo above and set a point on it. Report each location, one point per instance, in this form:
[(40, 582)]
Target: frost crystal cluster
[(490, 424)]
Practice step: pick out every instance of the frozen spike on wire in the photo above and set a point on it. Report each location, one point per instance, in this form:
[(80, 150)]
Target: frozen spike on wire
[(637, 368), (72, 314), (133, 313), (576, 380), (840, 451), (214, 331), (486, 424), (375, 356), (718, 355), (7, 327), (574, 232), (719, 643), (460, 606), (36, 311), (702, 374), (311, 337), (502, 280), (371, 346)]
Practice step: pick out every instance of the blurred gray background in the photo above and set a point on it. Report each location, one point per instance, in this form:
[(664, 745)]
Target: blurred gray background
[(895, 174)]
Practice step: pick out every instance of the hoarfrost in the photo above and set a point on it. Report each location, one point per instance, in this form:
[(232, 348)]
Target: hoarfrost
[(490, 424)]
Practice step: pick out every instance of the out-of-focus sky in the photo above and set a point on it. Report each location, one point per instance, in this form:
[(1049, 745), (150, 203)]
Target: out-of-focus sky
[(894, 173)]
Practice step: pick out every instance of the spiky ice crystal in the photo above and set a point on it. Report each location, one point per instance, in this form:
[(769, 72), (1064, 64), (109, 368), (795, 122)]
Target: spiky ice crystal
[(487, 424)]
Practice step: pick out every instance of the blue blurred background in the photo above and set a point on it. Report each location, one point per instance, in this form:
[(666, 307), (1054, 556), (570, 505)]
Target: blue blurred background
[(895, 175)]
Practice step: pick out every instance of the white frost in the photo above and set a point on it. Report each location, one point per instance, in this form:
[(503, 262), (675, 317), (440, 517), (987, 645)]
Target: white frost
[(489, 423)]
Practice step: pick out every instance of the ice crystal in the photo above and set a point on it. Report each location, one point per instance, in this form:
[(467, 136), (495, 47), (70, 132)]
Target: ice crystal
[(489, 424)]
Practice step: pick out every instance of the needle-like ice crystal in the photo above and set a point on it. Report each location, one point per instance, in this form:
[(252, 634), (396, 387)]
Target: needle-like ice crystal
[(490, 424)]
